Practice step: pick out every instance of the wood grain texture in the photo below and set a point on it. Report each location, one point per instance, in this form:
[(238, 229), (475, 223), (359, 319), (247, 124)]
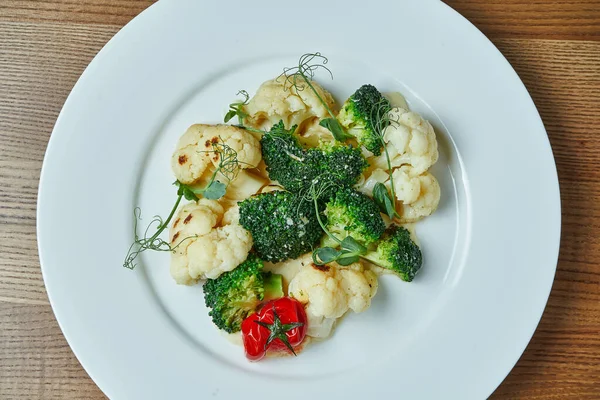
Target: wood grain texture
[(44, 47), (37, 362), (104, 12), (539, 19), (39, 64), (563, 359)]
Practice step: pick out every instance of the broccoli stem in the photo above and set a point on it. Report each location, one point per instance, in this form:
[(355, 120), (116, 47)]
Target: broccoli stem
[(370, 259), (273, 284)]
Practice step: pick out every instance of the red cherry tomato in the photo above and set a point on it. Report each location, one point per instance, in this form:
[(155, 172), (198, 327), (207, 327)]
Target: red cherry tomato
[(280, 325)]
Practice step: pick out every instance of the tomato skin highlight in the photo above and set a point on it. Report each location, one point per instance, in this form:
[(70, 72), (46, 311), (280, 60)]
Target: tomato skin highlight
[(278, 319)]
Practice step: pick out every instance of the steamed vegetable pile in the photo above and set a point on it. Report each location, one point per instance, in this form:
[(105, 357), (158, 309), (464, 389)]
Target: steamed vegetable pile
[(296, 186)]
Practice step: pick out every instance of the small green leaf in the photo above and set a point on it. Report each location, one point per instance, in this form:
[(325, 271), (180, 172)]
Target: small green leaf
[(336, 129), (383, 200), (325, 255), (352, 246), (186, 191), (230, 114), (347, 259), (214, 191)]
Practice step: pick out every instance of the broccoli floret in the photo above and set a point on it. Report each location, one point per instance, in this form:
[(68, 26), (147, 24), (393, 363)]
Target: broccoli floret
[(353, 213), (397, 252), (236, 294), (287, 161), (342, 164), (295, 166), (283, 225), (360, 115)]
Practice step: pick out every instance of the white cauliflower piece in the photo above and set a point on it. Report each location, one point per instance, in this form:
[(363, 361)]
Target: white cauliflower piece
[(196, 219), (368, 183), (311, 134), (271, 188), (418, 193), (410, 141), (277, 100), (207, 241), (245, 185), (196, 159), (396, 99), (330, 291)]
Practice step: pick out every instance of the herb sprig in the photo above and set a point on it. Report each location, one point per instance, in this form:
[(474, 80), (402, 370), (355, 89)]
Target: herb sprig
[(381, 195), (228, 167), (301, 76), (236, 108), (350, 250)]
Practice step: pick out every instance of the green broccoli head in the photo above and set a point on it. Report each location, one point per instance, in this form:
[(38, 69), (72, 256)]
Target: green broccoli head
[(397, 252), (361, 114), (295, 167), (283, 225), (236, 294), (353, 213), (287, 161), (342, 164)]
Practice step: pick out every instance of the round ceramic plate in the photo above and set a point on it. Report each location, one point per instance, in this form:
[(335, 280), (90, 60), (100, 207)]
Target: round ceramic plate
[(490, 250)]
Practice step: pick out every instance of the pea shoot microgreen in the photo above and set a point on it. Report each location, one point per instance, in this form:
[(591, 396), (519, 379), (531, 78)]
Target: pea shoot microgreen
[(228, 168), (350, 250), (381, 195), (301, 76), (236, 108)]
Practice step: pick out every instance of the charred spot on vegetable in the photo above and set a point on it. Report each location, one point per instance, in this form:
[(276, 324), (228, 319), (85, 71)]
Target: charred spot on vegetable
[(176, 222), (187, 219), (182, 159), (228, 167), (324, 268), (175, 236), (207, 143)]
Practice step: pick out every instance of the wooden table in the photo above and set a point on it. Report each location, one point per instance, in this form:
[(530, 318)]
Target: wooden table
[(553, 45)]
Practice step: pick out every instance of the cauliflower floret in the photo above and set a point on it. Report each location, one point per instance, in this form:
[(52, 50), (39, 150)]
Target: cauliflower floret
[(271, 188), (207, 242), (245, 185), (418, 193), (367, 183), (277, 100), (311, 134), (196, 219), (410, 141), (330, 291), (195, 157)]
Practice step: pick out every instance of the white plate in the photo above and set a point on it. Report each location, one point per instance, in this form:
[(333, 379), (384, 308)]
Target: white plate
[(490, 250)]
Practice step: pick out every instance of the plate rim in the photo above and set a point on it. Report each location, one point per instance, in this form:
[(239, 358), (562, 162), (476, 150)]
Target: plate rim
[(106, 48)]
